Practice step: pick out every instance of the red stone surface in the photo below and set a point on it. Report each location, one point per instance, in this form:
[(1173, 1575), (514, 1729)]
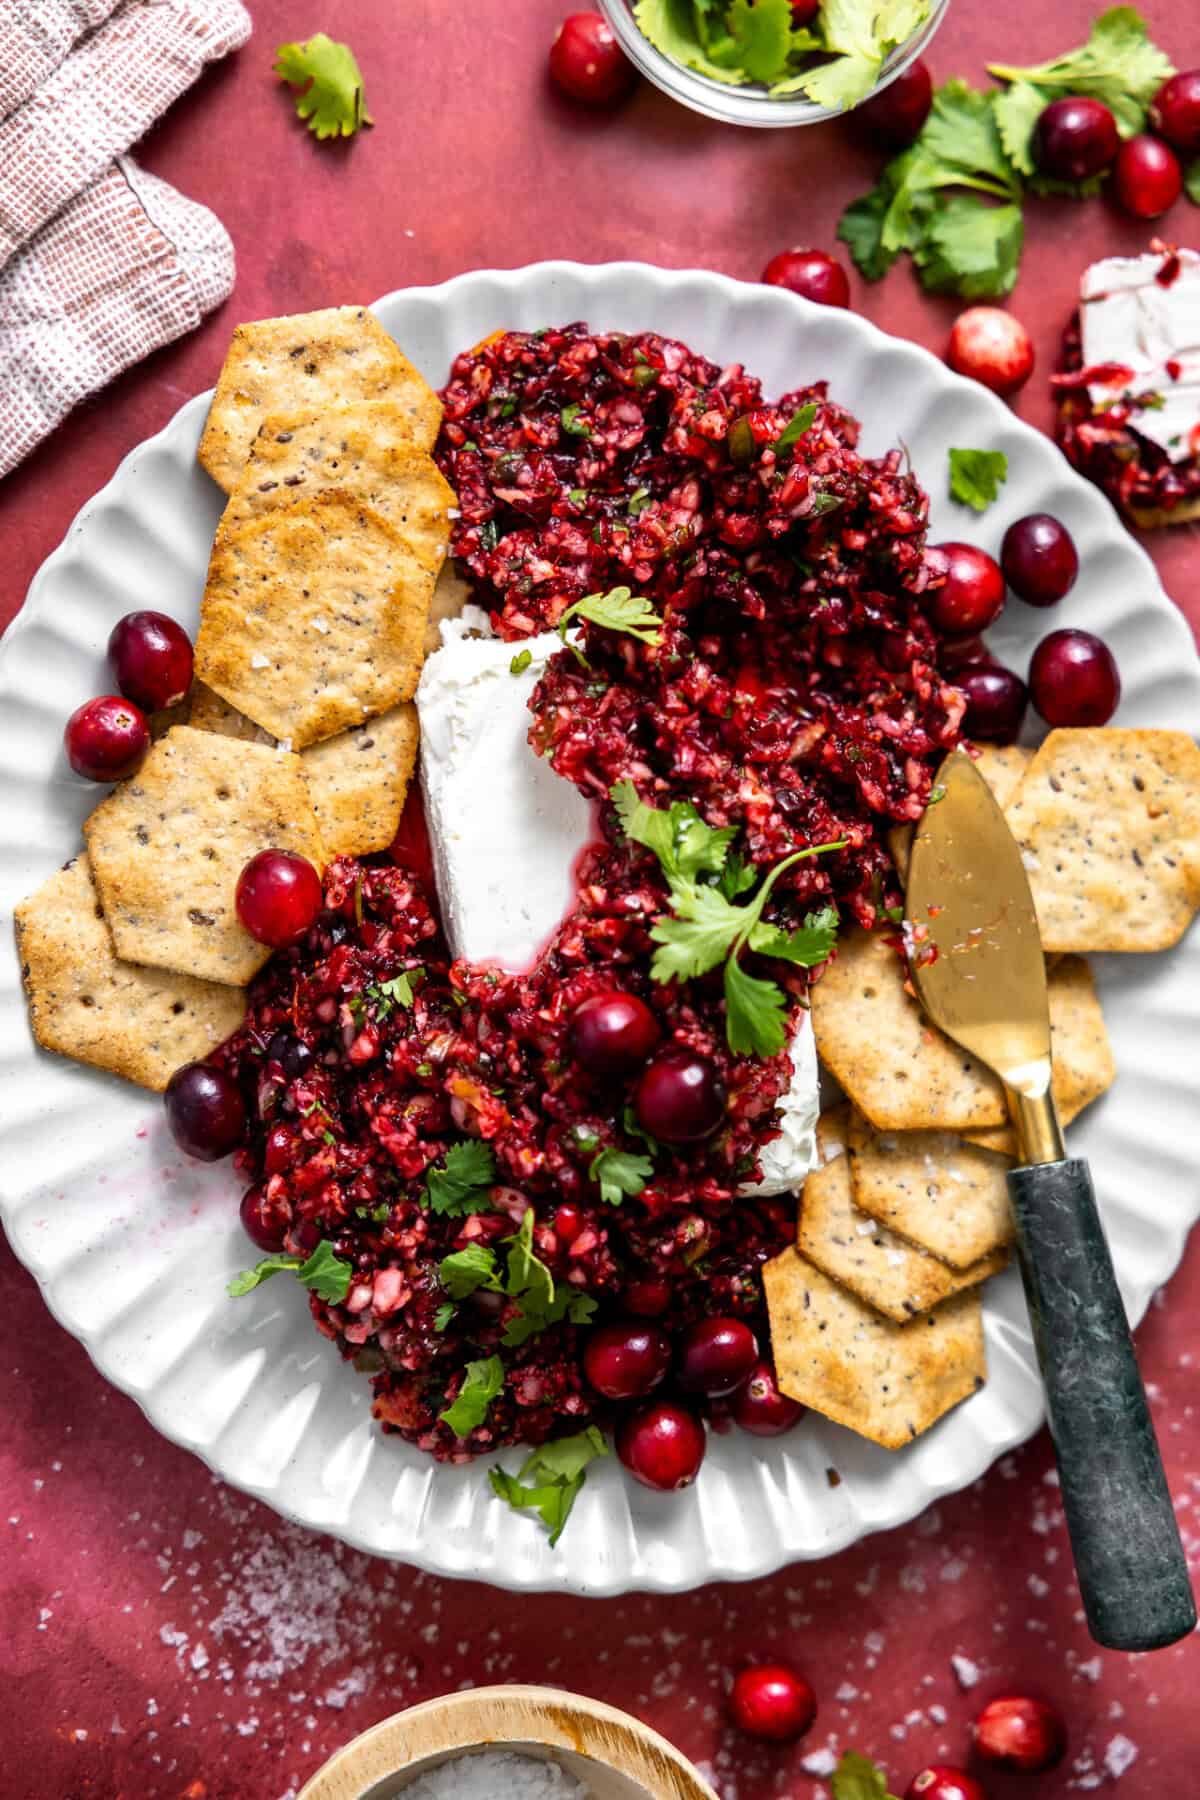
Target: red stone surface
[(163, 1636)]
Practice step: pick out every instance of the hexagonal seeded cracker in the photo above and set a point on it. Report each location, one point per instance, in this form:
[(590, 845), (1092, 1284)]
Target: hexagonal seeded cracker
[(139, 1023), (209, 712), (1108, 822), (309, 362), (944, 1195), (1001, 765), (168, 845), (358, 781), (886, 1381), (313, 618)]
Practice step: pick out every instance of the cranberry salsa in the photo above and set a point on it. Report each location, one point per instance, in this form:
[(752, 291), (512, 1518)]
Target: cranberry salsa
[(516, 1199)]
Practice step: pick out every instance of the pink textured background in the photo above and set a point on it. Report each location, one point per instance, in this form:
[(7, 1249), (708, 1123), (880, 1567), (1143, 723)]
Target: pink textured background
[(163, 1636)]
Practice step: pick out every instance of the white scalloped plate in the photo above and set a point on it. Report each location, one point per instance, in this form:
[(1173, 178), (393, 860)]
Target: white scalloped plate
[(133, 1246)]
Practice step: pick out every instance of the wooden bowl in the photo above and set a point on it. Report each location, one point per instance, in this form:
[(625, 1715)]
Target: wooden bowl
[(616, 1756)]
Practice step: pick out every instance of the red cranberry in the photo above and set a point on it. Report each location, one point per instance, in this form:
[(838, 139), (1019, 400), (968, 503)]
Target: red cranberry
[(648, 1298), (614, 1033), (1074, 138), (716, 1356), (568, 1223), (989, 344), (151, 657), (760, 1408), (938, 1781), (1147, 178), (106, 739), (1175, 113), (772, 1701), (813, 274), (662, 1446), (1017, 1732), (279, 1149), (804, 12), (680, 1097), (996, 702), (1074, 679), (262, 1222), (896, 114), (964, 653), (205, 1111), (626, 1360), (278, 897), (1039, 559), (292, 1054), (587, 62), (972, 596)]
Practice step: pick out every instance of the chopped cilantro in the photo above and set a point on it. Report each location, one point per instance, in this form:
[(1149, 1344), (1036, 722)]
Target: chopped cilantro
[(618, 610), (1191, 181), (443, 1315), (638, 501), (397, 992), (520, 662), (463, 1182), (463, 1271), (578, 496), (481, 1383), (550, 1478), (620, 1172), (976, 477), (795, 428), (324, 1272), (332, 103), (572, 424)]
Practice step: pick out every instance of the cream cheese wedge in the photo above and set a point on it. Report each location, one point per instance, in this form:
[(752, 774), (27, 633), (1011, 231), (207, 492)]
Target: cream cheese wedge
[(1134, 320)]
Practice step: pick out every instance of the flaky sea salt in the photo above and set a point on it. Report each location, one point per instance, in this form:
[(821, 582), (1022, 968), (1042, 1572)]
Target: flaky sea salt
[(497, 1775)]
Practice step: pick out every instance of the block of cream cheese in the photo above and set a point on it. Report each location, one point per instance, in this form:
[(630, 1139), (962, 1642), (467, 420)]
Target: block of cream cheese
[(1142, 315)]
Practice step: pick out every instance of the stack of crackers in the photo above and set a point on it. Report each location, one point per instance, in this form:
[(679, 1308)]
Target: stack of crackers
[(875, 1314)]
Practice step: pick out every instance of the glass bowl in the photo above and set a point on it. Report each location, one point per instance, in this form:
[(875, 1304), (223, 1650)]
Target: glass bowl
[(751, 104)]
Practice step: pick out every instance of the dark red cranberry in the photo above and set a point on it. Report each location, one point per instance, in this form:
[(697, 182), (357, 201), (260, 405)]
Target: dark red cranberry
[(896, 114), (648, 1298), (279, 1150), (680, 1097), (613, 1034), (278, 897), (772, 1701), (205, 1111), (263, 1222), (716, 1355), (293, 1056), (1074, 138), (587, 62), (804, 12), (1039, 559), (760, 1408), (662, 1446), (938, 1781), (813, 274), (151, 657), (996, 702), (1147, 178), (972, 596), (626, 1360), (568, 1223), (1018, 1732), (1074, 679), (1175, 112), (964, 653), (993, 347), (106, 739)]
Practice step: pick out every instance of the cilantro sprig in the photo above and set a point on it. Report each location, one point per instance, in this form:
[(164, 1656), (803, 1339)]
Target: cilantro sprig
[(549, 1480), (333, 102), (1118, 66), (618, 610), (385, 996), (526, 1279), (976, 477), (482, 1381), (463, 1182), (619, 1172), (858, 1778), (324, 1272)]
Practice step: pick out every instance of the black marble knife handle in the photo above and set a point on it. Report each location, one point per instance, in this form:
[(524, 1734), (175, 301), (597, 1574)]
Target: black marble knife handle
[(1132, 1571)]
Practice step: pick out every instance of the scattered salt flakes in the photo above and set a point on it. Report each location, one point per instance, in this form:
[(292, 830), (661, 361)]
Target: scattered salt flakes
[(259, 661), (966, 1673), (914, 1718), (898, 1732), (1120, 1754), (342, 1692), (954, 1570), (1116, 1710), (1037, 1586), (453, 512), (938, 1715), (896, 1258), (319, 624), (246, 1727), (869, 1582), (1051, 1478), (191, 1539), (874, 1642), (1090, 1670), (45, 1613), (912, 1579), (846, 1693), (175, 1640), (199, 1657), (1008, 1468)]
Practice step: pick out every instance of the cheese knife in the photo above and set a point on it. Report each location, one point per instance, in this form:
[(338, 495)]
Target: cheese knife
[(980, 972)]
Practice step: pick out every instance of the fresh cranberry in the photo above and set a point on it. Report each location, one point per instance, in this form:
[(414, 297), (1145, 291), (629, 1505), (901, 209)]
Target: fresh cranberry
[(262, 1222), (972, 596), (568, 1223), (761, 1408), (896, 114), (151, 657), (992, 346), (1018, 1732), (624, 1361), (964, 653), (813, 274), (1175, 112), (205, 1111), (292, 1054), (1074, 679), (279, 1150), (662, 1446), (1074, 138), (587, 62), (996, 702), (1147, 178), (106, 739), (804, 12), (613, 1033), (1039, 559), (772, 1701), (680, 1097), (278, 897), (648, 1298), (938, 1781), (716, 1356)]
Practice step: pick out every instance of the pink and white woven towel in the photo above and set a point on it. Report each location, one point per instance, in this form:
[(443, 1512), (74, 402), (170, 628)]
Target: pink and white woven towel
[(100, 263)]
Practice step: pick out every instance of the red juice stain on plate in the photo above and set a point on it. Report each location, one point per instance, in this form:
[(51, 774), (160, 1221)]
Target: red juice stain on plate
[(1173, 368), (1168, 270)]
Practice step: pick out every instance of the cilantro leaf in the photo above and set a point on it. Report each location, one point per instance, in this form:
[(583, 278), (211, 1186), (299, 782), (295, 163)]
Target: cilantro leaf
[(696, 936), (858, 1778), (1118, 65), (737, 875), (971, 249), (249, 1279), (858, 34), (684, 845), (463, 1271), (755, 1013), (976, 477), (620, 1172), (481, 1383), (1016, 112), (961, 134), (540, 1303), (810, 943), (795, 428), (1191, 181), (332, 103), (443, 1315), (764, 36), (324, 1272), (396, 992), (463, 1182), (671, 26), (572, 424), (861, 227), (618, 610), (526, 1273), (550, 1478), (629, 1121), (520, 662)]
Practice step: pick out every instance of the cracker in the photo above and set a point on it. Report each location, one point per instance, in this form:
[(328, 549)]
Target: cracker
[(851, 1247), (139, 1023), (167, 847), (358, 781), (307, 363), (364, 450), (209, 712), (314, 618), (886, 1381), (449, 597), (944, 1195), (1002, 767), (1109, 827)]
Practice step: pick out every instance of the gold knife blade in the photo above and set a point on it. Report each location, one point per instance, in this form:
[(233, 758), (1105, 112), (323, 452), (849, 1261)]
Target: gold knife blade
[(977, 960)]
